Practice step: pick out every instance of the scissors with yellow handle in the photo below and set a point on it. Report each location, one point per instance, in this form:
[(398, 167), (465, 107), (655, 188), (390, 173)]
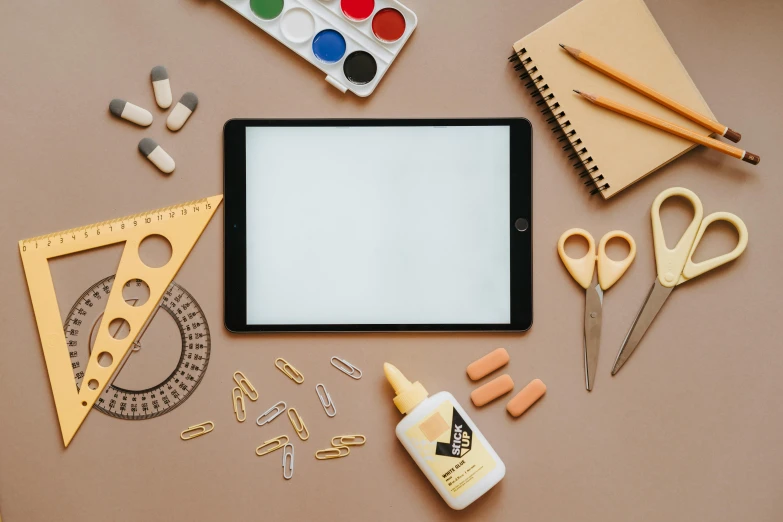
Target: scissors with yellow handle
[(583, 272), (676, 266)]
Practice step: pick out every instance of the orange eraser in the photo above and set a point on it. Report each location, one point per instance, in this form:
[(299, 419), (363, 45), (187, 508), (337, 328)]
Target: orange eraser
[(526, 397), (492, 390), (488, 364)]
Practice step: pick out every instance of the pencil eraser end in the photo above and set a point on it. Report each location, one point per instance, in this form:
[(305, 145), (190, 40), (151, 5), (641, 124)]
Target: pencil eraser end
[(751, 158), (526, 397), (488, 364), (732, 135)]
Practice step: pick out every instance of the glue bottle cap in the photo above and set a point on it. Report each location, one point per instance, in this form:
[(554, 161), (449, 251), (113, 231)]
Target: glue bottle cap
[(409, 395)]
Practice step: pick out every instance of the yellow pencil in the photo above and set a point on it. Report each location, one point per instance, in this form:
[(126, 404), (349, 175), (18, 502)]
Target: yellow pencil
[(651, 93), (671, 128)]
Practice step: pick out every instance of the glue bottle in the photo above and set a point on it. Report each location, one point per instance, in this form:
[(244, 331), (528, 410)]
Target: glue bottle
[(443, 441)]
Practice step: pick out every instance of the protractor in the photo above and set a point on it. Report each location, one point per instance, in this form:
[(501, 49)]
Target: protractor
[(168, 358)]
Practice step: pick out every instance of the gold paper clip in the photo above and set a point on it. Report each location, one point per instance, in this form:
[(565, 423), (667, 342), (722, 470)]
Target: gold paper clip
[(298, 424), (271, 414), (280, 441), (348, 440), (347, 368), (239, 403), (290, 372), (326, 400), (333, 453), (197, 430), (245, 386), (288, 455)]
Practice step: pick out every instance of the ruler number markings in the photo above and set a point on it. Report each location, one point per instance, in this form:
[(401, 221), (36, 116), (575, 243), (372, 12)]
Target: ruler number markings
[(116, 225)]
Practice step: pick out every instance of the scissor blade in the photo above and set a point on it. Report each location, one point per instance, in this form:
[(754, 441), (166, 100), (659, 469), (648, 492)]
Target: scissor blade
[(652, 305), (594, 297)]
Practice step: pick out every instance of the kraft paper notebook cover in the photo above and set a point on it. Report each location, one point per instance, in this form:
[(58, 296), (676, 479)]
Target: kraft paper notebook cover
[(610, 151)]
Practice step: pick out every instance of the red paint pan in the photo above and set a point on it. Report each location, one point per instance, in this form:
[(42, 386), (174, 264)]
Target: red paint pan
[(388, 25), (357, 10)]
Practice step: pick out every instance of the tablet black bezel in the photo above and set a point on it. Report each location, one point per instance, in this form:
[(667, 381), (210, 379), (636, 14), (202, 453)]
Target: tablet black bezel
[(235, 260)]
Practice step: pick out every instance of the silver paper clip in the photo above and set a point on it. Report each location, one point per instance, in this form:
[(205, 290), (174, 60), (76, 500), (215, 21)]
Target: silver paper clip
[(347, 368), (271, 414), (288, 455), (326, 400)]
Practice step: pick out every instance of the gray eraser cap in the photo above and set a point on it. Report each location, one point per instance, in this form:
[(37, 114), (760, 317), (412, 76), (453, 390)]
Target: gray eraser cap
[(116, 106), (147, 145), (159, 73), (189, 100)]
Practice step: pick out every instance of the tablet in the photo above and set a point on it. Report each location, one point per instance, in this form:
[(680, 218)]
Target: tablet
[(378, 225)]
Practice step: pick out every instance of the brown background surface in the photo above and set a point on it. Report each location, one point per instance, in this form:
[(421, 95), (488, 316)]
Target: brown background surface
[(690, 429)]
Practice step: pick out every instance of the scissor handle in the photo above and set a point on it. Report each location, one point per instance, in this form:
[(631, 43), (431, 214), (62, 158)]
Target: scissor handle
[(670, 263), (609, 270), (580, 269), (692, 269)]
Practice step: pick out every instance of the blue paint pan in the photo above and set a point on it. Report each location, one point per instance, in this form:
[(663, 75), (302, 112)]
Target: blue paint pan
[(329, 46)]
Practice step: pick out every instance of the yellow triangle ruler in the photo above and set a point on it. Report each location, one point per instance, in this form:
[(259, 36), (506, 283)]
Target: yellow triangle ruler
[(181, 225)]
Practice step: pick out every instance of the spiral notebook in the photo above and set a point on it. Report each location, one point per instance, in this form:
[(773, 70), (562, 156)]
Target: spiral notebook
[(610, 151)]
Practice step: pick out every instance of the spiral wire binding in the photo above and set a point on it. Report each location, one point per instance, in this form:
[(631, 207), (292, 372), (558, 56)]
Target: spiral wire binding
[(561, 125)]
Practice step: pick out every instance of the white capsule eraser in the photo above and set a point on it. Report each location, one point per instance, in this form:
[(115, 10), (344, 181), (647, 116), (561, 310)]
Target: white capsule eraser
[(161, 86), (130, 112), (159, 157), (182, 111)]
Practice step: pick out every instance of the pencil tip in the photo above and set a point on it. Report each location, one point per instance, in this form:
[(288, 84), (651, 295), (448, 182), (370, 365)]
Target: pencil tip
[(561, 45), (578, 92)]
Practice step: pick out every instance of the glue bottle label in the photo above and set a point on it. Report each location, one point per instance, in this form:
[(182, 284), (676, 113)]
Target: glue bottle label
[(446, 442)]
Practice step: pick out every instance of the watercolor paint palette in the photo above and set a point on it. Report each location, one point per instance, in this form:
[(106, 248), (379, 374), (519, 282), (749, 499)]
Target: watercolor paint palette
[(353, 41)]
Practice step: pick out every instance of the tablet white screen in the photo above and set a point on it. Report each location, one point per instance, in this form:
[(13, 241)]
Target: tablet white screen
[(378, 225)]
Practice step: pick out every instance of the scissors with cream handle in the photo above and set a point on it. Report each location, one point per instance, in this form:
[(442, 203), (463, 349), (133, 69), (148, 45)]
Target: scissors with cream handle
[(676, 266), (583, 272)]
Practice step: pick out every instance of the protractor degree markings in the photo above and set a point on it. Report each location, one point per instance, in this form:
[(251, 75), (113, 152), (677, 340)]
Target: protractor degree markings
[(187, 373)]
